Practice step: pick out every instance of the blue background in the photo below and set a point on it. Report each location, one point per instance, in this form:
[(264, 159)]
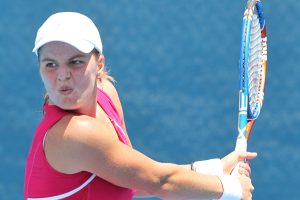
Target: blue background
[(176, 66)]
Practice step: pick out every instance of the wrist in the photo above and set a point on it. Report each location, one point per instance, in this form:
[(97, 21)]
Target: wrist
[(232, 189), (210, 167)]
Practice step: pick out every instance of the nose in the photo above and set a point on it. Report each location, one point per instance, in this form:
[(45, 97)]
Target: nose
[(63, 73)]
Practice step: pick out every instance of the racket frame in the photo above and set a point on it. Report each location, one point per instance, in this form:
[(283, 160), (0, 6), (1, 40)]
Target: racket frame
[(246, 119)]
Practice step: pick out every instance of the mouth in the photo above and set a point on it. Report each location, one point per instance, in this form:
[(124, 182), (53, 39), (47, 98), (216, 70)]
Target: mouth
[(65, 90)]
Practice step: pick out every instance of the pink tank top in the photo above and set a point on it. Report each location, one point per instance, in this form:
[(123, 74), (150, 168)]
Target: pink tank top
[(45, 183)]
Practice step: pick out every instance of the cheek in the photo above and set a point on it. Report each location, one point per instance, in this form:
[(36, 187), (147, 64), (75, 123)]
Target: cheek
[(86, 78), (47, 80), (49, 84)]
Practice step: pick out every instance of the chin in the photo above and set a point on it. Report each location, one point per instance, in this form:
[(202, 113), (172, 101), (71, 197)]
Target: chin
[(66, 105), (71, 103)]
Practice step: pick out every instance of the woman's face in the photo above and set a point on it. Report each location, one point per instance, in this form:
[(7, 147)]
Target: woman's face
[(69, 76)]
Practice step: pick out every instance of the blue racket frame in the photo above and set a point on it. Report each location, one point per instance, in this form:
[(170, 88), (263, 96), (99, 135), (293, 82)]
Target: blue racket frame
[(246, 116)]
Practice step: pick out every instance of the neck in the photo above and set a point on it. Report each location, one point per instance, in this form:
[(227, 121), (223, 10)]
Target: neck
[(90, 107)]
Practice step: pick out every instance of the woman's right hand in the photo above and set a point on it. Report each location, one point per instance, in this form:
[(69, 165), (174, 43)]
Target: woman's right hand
[(232, 159), (247, 187)]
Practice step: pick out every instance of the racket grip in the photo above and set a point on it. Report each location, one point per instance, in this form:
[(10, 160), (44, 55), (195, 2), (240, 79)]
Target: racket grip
[(241, 146)]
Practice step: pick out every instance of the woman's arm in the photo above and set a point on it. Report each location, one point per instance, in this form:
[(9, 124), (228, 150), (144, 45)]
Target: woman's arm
[(86, 145)]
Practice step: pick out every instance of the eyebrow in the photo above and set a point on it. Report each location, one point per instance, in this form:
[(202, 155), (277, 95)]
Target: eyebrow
[(78, 56), (71, 58), (47, 60)]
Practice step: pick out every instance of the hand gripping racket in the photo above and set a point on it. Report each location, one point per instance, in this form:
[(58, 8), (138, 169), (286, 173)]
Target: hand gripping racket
[(253, 66)]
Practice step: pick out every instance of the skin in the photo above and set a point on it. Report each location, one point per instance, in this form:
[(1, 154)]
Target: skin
[(88, 142)]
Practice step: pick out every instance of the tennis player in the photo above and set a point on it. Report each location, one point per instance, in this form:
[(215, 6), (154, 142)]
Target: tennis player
[(81, 150)]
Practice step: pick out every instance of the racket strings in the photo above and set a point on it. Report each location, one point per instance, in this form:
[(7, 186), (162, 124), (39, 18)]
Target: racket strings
[(255, 67)]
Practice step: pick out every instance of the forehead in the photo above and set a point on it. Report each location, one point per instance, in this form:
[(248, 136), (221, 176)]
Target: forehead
[(59, 50)]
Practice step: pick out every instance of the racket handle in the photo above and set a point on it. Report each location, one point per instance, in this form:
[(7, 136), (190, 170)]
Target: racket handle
[(241, 146)]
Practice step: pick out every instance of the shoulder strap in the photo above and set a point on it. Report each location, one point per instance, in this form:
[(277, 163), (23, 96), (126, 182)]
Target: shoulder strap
[(109, 108), (52, 115)]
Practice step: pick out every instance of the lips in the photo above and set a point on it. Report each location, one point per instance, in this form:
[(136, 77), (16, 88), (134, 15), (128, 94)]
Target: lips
[(65, 90)]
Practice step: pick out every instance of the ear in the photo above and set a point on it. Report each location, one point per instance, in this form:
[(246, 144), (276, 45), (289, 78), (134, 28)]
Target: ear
[(100, 62)]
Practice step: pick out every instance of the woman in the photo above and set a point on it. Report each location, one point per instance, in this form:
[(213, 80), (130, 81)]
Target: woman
[(81, 149)]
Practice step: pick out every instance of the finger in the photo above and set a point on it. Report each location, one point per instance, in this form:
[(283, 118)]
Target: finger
[(246, 167), (252, 188), (244, 172), (246, 155)]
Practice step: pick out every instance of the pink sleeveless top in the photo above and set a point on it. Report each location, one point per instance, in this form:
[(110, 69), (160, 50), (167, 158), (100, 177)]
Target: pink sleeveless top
[(45, 183)]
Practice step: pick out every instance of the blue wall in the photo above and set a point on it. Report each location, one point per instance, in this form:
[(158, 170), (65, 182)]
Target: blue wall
[(176, 66)]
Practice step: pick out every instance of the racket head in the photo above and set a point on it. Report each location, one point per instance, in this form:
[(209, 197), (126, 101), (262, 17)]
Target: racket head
[(257, 61), (253, 66)]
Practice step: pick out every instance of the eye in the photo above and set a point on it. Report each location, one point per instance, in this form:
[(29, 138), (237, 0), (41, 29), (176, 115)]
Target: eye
[(50, 65), (77, 62)]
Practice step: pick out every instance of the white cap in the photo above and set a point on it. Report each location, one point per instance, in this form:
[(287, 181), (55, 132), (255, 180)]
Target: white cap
[(72, 28)]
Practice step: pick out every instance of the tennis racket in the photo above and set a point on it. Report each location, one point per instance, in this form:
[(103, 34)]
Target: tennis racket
[(253, 66)]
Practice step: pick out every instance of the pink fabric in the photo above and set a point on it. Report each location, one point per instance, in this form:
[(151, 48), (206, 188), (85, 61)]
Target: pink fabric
[(41, 180)]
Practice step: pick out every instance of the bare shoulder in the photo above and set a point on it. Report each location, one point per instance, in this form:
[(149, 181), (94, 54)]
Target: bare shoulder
[(81, 143), (110, 89), (71, 141)]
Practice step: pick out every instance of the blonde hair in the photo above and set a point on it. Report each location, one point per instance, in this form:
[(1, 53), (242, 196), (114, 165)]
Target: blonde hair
[(101, 75)]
